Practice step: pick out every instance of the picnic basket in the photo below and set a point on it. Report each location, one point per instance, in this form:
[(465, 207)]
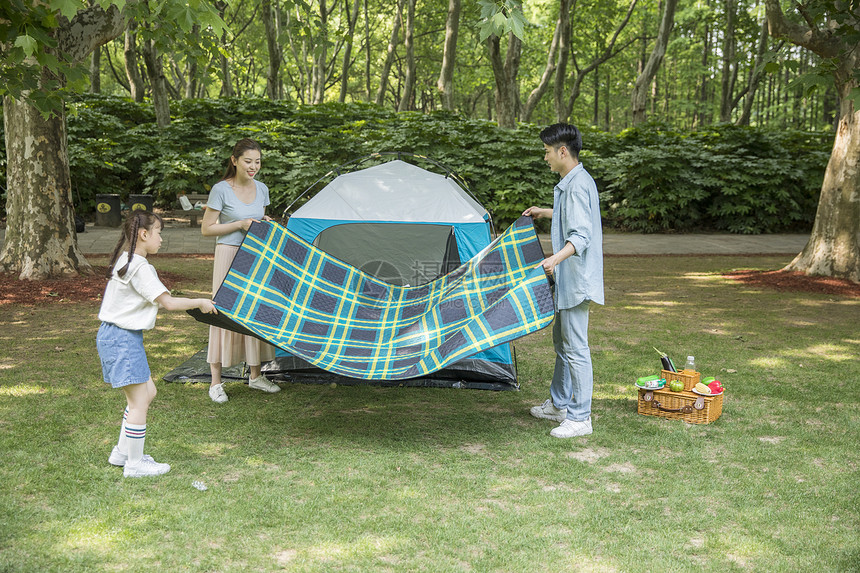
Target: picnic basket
[(687, 406)]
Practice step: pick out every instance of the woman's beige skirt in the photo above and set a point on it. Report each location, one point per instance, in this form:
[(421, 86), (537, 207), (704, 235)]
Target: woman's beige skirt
[(226, 346)]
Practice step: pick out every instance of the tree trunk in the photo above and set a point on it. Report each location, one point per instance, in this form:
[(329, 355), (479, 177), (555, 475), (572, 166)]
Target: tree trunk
[(347, 54), (507, 96), (640, 88), (755, 76), (40, 234), (389, 56), (537, 94), (729, 65), (191, 86), (445, 83), (95, 71), (833, 249), (158, 83), (40, 229), (132, 69), (561, 111), (269, 11), (320, 57), (368, 93), (409, 43), (564, 111), (700, 117), (834, 245)]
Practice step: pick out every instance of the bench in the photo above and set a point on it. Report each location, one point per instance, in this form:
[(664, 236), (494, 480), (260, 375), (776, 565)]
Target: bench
[(192, 214)]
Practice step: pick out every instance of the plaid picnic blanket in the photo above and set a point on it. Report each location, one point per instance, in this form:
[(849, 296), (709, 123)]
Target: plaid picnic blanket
[(289, 293)]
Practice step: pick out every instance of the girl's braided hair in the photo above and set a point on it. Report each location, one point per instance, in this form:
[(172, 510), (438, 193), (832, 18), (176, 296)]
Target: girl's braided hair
[(133, 223)]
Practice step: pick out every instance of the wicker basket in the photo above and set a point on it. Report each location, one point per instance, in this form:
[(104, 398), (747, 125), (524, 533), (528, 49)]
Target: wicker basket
[(687, 406), (689, 379)]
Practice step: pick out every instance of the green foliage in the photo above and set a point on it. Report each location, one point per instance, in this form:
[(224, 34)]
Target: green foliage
[(502, 17), (725, 178), (34, 67), (652, 179)]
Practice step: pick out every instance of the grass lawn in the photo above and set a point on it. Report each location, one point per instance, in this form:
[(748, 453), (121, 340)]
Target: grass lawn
[(360, 478)]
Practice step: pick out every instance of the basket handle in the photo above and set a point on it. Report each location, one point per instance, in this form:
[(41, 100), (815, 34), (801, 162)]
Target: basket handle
[(699, 404)]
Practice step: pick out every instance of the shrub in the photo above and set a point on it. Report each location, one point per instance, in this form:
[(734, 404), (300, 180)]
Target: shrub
[(651, 178)]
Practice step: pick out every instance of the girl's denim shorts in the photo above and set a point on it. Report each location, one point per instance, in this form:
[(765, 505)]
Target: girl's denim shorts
[(122, 355)]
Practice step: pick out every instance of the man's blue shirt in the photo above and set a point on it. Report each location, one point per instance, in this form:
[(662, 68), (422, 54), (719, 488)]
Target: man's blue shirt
[(576, 220)]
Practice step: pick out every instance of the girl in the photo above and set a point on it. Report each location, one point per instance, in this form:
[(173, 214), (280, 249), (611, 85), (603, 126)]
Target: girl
[(129, 306), (234, 203)]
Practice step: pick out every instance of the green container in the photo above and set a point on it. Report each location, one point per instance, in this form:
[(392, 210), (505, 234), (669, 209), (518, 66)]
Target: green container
[(108, 212)]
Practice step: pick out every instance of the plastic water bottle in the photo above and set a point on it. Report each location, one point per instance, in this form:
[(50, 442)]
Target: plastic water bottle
[(690, 365)]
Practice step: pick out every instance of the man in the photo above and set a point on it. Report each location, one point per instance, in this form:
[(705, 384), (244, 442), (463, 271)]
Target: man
[(577, 266)]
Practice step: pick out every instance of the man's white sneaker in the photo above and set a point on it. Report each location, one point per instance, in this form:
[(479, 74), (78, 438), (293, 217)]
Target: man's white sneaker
[(117, 458), (262, 383), (548, 411), (145, 468), (571, 429), (217, 393)]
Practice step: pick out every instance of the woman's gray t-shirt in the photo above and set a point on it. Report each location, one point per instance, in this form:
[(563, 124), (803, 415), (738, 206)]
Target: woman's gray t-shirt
[(223, 199)]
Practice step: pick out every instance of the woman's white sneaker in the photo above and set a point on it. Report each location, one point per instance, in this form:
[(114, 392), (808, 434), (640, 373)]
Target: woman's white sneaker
[(217, 393), (262, 383)]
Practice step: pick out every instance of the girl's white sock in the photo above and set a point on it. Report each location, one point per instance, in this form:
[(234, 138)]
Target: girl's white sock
[(122, 443), (136, 436)]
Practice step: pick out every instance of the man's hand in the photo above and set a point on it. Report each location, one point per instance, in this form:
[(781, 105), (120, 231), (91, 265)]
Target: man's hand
[(537, 213)]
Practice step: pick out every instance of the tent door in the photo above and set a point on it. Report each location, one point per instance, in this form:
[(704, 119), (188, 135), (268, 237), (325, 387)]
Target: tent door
[(397, 253)]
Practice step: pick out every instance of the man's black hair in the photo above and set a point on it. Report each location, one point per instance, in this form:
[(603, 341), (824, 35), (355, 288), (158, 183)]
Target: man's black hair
[(564, 134)]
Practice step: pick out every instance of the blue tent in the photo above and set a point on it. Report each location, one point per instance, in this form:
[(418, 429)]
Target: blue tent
[(407, 226)]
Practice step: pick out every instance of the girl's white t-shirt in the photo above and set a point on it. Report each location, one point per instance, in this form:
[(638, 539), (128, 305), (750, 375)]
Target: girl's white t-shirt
[(129, 301)]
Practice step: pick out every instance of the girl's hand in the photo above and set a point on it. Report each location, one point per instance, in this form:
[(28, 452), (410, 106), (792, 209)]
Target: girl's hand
[(245, 224), (207, 306), (267, 218)]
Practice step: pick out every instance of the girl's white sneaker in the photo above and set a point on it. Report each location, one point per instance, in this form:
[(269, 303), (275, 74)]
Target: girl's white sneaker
[(145, 468)]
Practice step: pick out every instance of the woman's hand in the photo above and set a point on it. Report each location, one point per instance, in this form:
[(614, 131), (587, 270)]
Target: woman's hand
[(245, 224)]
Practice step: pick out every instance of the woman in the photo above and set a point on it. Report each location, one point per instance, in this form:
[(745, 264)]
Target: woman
[(234, 203)]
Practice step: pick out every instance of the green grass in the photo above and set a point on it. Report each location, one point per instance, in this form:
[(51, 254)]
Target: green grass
[(355, 478)]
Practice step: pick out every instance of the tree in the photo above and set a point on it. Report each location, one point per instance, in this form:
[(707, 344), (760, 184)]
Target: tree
[(409, 43), (132, 68), (445, 83), (271, 20), (830, 30), (560, 43), (40, 233), (50, 42), (497, 21), (389, 54), (347, 52), (730, 67), (578, 74), (640, 88), (749, 91)]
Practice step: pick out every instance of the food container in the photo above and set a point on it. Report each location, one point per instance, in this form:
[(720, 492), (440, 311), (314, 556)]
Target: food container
[(689, 378), (687, 406)]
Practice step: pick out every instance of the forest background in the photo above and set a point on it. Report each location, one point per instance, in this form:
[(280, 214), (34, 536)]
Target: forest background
[(685, 169)]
